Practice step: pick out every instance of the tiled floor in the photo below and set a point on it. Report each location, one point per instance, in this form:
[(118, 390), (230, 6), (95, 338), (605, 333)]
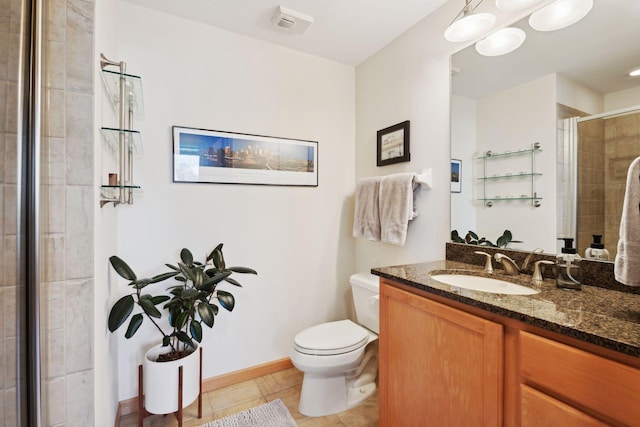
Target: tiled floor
[(284, 385)]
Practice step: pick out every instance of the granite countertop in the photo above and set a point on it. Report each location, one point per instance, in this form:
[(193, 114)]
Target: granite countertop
[(604, 317)]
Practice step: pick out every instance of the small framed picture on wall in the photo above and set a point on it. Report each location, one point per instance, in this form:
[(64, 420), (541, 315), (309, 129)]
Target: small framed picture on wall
[(393, 144), (456, 176)]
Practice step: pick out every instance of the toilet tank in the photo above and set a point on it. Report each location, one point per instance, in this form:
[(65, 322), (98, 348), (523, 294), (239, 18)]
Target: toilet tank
[(365, 288)]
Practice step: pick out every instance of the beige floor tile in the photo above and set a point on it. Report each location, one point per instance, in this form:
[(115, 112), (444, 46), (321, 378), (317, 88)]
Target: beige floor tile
[(221, 413), (363, 415), (279, 381), (290, 397), (284, 385), (234, 395), (328, 421)]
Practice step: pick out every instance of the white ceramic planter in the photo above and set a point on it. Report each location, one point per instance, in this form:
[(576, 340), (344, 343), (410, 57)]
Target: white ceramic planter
[(160, 381)]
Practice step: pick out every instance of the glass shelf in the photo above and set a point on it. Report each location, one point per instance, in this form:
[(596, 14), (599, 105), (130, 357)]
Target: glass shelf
[(507, 198), (133, 84), (117, 186), (512, 175), (132, 139), (510, 153)]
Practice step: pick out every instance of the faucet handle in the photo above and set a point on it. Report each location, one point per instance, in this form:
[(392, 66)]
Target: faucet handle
[(488, 267), (537, 270)]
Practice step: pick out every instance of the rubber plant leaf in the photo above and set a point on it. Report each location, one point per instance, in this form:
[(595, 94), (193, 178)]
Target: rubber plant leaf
[(242, 270), (218, 278), (122, 268), (120, 312), (206, 314), (227, 300), (181, 320), (163, 276), (187, 272), (183, 337), (196, 330), (186, 256), (134, 324), (233, 281), (149, 308), (159, 299), (217, 257)]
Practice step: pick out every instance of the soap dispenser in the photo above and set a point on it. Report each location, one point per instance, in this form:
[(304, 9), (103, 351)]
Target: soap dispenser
[(597, 249), (568, 266)]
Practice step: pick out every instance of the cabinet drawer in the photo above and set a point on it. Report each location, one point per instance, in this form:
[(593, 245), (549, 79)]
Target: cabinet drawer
[(607, 389), (540, 410)]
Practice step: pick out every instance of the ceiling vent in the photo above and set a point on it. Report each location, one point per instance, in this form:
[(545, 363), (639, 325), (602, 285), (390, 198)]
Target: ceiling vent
[(290, 21)]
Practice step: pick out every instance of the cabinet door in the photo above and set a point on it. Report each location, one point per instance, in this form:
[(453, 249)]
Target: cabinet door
[(438, 366), (601, 387), (541, 410)]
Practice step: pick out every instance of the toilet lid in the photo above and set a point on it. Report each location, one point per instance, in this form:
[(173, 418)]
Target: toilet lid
[(331, 338)]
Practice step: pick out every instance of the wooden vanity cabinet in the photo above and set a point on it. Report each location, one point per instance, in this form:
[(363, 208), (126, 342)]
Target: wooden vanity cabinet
[(589, 385), (443, 363), (438, 366)]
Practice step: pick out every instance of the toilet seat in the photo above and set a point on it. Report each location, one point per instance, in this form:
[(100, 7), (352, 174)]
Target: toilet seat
[(339, 337)]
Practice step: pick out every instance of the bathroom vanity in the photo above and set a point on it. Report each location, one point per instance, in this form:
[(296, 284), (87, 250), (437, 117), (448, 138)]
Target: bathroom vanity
[(453, 356)]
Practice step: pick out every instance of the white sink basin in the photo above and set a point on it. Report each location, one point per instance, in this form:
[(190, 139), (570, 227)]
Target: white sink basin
[(483, 284)]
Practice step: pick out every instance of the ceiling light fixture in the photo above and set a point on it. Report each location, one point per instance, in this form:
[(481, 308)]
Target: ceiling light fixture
[(471, 25), (559, 14), (515, 5), (634, 73), (501, 42)]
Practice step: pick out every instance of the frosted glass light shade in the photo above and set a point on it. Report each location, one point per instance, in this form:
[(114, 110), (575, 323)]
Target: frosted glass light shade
[(469, 27), (559, 14), (635, 73), (501, 42), (515, 5)]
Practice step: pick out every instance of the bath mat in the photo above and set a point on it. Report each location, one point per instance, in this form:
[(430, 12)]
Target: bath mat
[(272, 414)]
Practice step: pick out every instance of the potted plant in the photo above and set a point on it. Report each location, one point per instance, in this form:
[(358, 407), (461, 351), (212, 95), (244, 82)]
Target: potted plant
[(189, 304)]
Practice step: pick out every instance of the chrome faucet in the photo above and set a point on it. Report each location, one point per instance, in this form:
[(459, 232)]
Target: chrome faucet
[(510, 267)]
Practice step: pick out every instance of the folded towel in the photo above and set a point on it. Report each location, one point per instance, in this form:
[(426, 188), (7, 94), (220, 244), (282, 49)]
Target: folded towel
[(627, 264), (366, 220), (397, 207)]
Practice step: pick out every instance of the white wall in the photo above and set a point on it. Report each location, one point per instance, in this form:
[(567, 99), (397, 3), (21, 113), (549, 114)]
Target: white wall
[(463, 147), (622, 99), (410, 80), (511, 120), (575, 95), (297, 238)]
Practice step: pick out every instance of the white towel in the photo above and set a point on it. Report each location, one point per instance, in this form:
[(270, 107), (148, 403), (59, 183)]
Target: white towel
[(397, 207), (627, 264), (366, 220)]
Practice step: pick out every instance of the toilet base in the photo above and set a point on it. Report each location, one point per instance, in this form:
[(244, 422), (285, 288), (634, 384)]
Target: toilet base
[(322, 395)]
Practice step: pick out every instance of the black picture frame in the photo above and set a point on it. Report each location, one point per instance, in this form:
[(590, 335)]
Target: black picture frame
[(456, 176), (393, 144)]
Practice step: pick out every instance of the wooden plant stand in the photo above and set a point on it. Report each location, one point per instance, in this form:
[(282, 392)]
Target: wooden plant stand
[(143, 413)]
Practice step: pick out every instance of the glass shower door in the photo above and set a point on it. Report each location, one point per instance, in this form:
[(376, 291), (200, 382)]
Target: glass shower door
[(15, 152)]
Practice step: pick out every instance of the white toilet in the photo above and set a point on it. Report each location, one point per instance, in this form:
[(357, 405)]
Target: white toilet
[(339, 359)]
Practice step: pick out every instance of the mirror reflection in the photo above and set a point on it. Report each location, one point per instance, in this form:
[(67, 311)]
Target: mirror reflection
[(569, 92)]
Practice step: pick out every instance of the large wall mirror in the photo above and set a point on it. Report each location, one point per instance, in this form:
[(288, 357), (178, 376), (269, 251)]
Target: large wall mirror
[(527, 164)]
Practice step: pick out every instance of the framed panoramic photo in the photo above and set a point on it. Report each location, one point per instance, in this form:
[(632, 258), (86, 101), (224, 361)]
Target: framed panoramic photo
[(456, 176), (393, 144), (211, 156)]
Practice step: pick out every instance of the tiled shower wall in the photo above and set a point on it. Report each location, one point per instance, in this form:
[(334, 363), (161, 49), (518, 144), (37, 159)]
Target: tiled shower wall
[(590, 182), (67, 223), (66, 210), (9, 42)]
